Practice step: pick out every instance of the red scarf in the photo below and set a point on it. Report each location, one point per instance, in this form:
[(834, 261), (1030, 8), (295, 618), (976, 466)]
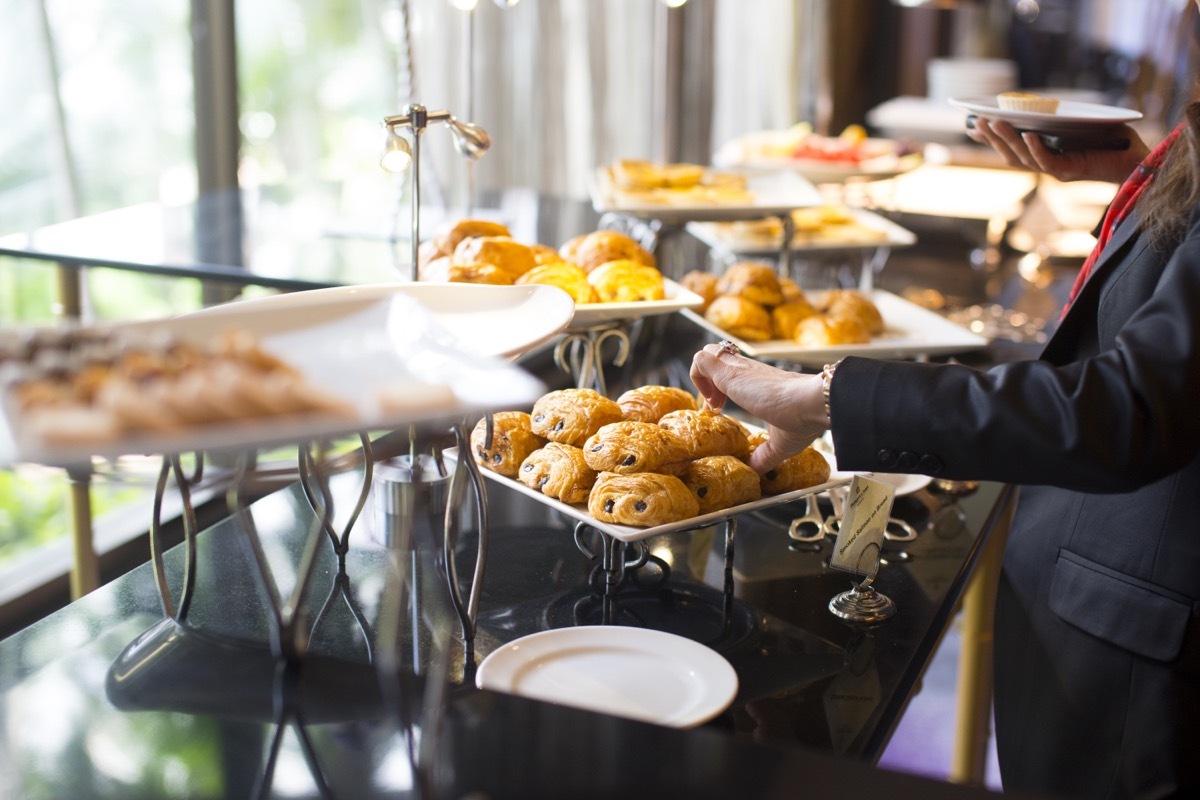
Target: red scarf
[(1121, 205)]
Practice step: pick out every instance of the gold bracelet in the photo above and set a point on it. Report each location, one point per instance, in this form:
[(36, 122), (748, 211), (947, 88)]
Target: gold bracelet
[(826, 382)]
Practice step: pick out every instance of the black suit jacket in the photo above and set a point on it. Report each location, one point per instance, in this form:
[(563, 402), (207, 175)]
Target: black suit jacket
[(1097, 626)]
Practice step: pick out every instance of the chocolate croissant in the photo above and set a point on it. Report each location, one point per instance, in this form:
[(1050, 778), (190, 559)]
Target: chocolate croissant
[(806, 468), (644, 499), (570, 416), (559, 471), (513, 440), (708, 433), (650, 403), (631, 446), (721, 482)]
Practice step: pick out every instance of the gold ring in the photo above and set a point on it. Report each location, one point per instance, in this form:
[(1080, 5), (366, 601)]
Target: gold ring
[(729, 347)]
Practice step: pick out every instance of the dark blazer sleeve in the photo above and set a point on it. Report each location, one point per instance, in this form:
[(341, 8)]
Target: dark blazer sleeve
[(1112, 404)]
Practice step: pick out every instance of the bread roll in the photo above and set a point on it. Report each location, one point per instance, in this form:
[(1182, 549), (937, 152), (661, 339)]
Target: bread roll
[(702, 283), (848, 303), (740, 318), (822, 330), (599, 247), (786, 317), (448, 239)]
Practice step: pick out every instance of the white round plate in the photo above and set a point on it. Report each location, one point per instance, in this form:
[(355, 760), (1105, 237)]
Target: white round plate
[(1071, 115), (637, 673)]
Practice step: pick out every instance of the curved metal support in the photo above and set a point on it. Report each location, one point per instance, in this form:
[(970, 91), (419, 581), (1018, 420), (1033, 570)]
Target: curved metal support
[(581, 354), (468, 611), (310, 464), (172, 464)]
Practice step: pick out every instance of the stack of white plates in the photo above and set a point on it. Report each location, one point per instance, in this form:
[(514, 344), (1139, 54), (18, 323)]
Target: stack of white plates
[(969, 77)]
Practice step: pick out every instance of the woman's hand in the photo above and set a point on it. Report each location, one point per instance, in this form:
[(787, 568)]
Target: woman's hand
[(791, 404), (1027, 151)]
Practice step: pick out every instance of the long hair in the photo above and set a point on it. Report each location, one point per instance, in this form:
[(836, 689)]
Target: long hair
[(1174, 194)]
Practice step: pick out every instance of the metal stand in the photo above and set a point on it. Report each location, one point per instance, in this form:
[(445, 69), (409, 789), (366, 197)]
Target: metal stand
[(581, 353)]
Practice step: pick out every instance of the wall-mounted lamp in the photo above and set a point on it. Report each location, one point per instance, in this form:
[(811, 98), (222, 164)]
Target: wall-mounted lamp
[(471, 141)]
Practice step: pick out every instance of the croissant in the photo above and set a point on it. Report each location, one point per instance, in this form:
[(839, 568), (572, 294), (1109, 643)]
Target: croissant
[(627, 281), (752, 281), (566, 276), (740, 318)]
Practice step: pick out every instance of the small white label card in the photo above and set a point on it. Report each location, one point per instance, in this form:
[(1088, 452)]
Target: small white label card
[(864, 521)]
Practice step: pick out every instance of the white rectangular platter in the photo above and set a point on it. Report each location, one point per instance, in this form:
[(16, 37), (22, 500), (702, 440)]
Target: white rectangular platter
[(677, 298), (627, 533), (725, 237), (771, 194), (386, 350), (911, 331)]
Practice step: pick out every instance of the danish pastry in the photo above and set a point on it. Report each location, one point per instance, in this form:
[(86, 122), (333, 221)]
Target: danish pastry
[(721, 482), (627, 281), (513, 440), (558, 471), (806, 468), (702, 283), (822, 330), (448, 239), (650, 403), (599, 247), (751, 281), (631, 446), (566, 276), (740, 318), (786, 317), (570, 416), (708, 433), (509, 255), (644, 499)]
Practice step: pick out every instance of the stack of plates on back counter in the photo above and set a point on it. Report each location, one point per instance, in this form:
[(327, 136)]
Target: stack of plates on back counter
[(969, 77)]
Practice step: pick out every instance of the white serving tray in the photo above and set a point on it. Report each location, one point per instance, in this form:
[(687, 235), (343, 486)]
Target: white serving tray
[(436, 352), (910, 331), (725, 238), (771, 194)]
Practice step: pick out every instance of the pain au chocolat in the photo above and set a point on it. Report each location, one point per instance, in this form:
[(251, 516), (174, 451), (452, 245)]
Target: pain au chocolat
[(650, 403), (708, 433), (513, 440), (559, 471), (720, 482), (643, 499), (630, 446), (570, 416)]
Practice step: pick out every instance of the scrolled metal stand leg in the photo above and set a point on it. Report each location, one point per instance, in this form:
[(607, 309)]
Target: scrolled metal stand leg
[(468, 611), (171, 464), (727, 602)]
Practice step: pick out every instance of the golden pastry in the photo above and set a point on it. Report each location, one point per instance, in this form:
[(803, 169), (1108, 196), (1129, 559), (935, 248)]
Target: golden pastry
[(721, 482), (630, 446), (566, 276), (650, 403), (509, 255), (627, 281), (599, 247), (513, 440), (702, 283), (545, 254), (559, 471), (644, 499), (449, 238), (791, 290), (852, 304), (751, 281), (708, 433), (822, 330), (741, 318), (441, 270), (787, 316), (806, 468), (570, 416)]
